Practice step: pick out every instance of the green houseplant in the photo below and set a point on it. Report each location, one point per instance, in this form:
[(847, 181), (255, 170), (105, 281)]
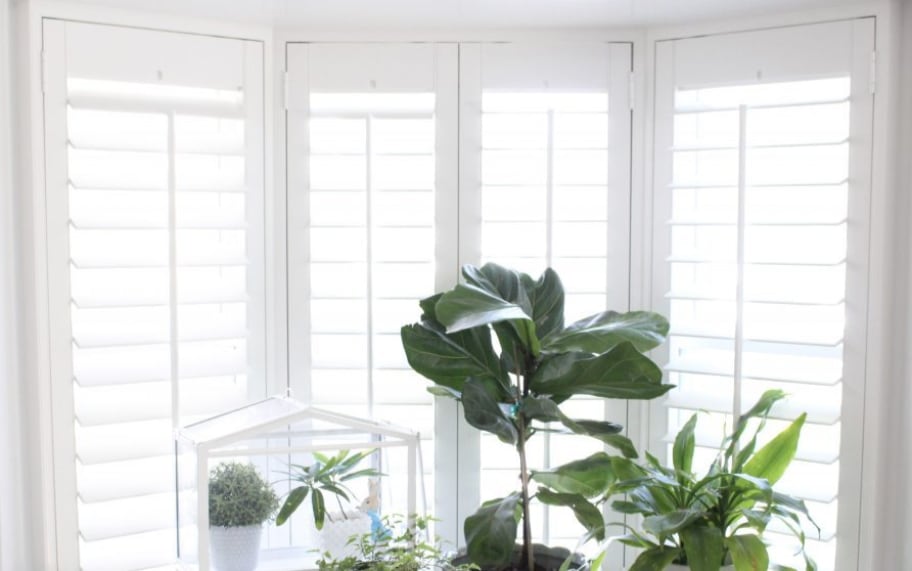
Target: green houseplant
[(705, 522), (398, 547), (328, 474), (516, 392), (240, 501)]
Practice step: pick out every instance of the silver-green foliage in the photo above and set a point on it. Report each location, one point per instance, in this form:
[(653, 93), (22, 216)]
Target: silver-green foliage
[(239, 496)]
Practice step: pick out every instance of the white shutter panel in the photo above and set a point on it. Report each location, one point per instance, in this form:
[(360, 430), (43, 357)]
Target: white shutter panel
[(160, 318), (364, 198), (545, 183), (760, 219)]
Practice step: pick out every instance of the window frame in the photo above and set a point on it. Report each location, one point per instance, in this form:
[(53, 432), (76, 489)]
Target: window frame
[(864, 351)]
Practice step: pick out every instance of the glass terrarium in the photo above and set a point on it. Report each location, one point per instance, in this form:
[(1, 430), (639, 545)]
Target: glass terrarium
[(277, 435)]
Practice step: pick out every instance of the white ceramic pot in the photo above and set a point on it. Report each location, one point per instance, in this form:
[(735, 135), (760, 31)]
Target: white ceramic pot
[(336, 532), (235, 548)]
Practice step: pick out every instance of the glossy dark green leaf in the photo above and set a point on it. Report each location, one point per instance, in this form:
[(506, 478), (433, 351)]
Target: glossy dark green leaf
[(623, 372), (684, 445), (294, 499), (703, 546), (491, 531), (544, 409), (449, 360), (601, 332), (586, 513), (501, 282), (546, 296), (771, 461), (467, 306), (655, 559), (484, 413), (748, 553), (588, 477)]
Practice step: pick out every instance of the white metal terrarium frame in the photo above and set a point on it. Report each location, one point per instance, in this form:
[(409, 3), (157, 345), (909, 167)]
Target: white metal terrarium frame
[(270, 419)]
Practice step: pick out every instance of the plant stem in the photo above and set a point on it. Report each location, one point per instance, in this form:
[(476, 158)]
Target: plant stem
[(528, 557)]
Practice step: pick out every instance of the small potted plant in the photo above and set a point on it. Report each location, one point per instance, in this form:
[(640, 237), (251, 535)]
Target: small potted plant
[(516, 392), (393, 546), (330, 475), (240, 501), (717, 520)]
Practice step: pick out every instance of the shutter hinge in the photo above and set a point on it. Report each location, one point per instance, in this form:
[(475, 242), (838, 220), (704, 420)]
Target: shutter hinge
[(631, 89), (44, 80), (873, 79), (286, 90)]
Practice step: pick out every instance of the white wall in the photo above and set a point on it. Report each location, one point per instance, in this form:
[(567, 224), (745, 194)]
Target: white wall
[(13, 535)]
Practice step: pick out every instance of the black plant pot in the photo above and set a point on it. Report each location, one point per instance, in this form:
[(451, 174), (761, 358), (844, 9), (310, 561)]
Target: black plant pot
[(546, 559)]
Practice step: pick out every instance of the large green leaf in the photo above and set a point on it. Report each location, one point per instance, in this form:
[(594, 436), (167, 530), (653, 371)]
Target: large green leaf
[(623, 372), (684, 444), (703, 546), (501, 282), (588, 477), (664, 525), (547, 299), (484, 413), (491, 531), (449, 360), (467, 306), (598, 333), (655, 559), (586, 513), (748, 553), (771, 461)]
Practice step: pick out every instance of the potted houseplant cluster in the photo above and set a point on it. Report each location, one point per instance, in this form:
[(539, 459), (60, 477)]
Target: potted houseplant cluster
[(240, 501), (716, 520), (516, 392), (397, 545)]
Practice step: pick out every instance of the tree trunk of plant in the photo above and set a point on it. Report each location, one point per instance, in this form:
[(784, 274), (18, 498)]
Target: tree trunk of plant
[(528, 556)]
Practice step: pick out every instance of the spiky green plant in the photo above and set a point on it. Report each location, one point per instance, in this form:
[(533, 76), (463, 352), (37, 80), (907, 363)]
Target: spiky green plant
[(239, 496)]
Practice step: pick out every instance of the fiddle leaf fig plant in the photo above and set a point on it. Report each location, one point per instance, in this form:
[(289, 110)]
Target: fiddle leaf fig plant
[(514, 388)]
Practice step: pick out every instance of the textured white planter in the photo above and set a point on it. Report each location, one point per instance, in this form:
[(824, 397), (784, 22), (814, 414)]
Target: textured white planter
[(235, 548), (334, 535)]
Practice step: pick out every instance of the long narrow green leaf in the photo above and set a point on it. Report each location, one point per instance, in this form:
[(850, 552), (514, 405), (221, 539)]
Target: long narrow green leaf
[(771, 461), (684, 445), (319, 508), (292, 502)]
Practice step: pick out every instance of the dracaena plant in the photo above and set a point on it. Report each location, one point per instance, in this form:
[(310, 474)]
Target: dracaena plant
[(327, 475), (718, 518), (514, 389)]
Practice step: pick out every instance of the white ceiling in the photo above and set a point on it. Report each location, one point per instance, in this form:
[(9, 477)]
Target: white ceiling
[(462, 14)]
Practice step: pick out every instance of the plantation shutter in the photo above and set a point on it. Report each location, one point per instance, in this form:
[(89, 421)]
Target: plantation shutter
[(545, 182), (761, 221), (156, 270), (370, 184)]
